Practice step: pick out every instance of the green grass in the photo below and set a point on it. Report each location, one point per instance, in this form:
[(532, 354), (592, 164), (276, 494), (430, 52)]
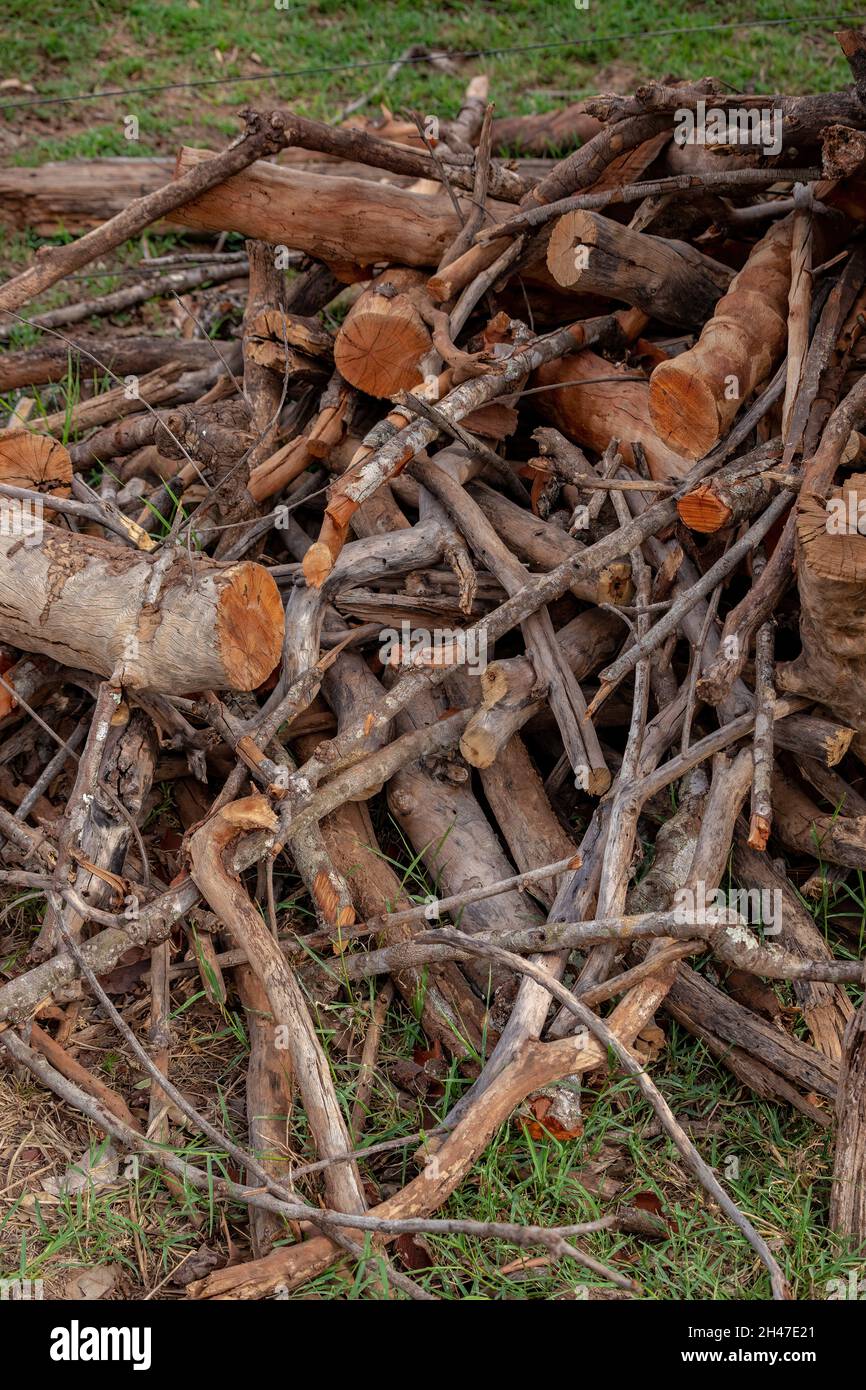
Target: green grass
[(86, 46), (775, 1163), (782, 1165)]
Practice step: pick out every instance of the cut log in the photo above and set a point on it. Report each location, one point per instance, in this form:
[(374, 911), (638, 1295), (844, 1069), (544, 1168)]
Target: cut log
[(532, 832), (722, 501), (167, 623), (669, 280), (30, 678), (463, 132), (165, 385), (548, 134), (269, 1083), (603, 409), (127, 770), (56, 262), (699, 1005), (263, 389), (831, 575), (273, 333), (848, 1198), (809, 736), (825, 836), (333, 219), (34, 461), (288, 1005), (564, 694), (76, 195), (214, 434), (448, 1008), (450, 1012), (322, 436), (512, 692), (383, 340), (269, 1103), (826, 1008), (346, 222), (448, 283), (444, 822), (694, 397)]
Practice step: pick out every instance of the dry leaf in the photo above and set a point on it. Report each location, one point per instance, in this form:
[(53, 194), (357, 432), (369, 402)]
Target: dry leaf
[(556, 1115), (414, 1252), (650, 1043), (196, 1265), (96, 1169), (96, 1281)]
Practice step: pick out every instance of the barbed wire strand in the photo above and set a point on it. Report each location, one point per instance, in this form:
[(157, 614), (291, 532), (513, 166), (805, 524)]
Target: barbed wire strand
[(319, 69)]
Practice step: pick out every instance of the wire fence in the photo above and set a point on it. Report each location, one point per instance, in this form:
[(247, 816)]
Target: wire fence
[(411, 59)]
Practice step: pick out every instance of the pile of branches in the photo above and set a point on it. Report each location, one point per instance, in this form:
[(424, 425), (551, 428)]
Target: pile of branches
[(523, 514)]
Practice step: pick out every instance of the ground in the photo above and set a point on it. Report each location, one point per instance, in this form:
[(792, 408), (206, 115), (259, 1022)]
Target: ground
[(776, 1164), (328, 54)]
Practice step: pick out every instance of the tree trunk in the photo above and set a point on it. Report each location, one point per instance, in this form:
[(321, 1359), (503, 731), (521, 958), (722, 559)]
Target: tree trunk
[(604, 409), (165, 623), (831, 574), (668, 280), (338, 220), (383, 339), (694, 397)]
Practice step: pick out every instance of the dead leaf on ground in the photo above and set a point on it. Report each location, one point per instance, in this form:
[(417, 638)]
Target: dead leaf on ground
[(96, 1169), (196, 1265), (96, 1281)]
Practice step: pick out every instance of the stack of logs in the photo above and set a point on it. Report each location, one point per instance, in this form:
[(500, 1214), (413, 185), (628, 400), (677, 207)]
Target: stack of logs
[(522, 513)]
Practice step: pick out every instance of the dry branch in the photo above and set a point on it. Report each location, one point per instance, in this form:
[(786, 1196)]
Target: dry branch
[(319, 576)]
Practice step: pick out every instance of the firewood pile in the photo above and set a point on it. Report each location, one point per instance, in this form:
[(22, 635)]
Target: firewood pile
[(522, 516)]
